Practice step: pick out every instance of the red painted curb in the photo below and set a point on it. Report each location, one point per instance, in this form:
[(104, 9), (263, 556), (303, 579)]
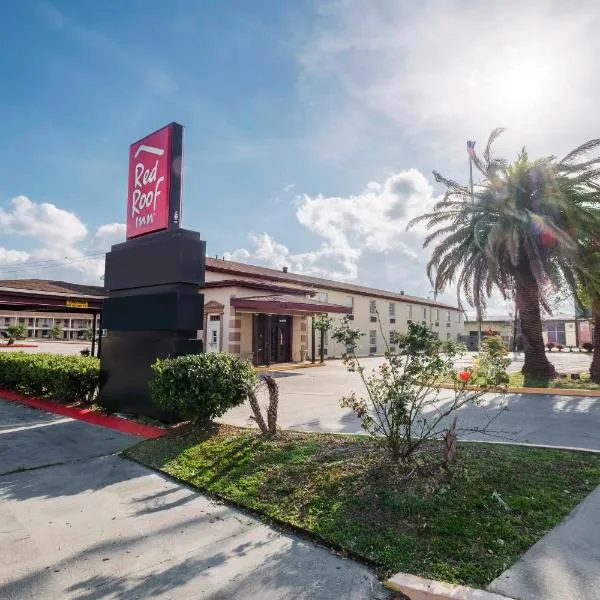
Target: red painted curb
[(18, 346), (87, 415)]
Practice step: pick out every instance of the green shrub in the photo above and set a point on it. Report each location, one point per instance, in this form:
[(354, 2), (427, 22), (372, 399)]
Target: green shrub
[(201, 387), (58, 377), (587, 346)]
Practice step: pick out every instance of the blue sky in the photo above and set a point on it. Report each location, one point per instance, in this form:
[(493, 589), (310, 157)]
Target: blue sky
[(311, 128)]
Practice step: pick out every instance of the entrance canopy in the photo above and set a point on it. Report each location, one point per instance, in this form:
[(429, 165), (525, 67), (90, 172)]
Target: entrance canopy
[(39, 296), (50, 296), (287, 304)]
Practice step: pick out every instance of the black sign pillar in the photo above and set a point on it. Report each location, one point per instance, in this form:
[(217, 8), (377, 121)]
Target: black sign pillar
[(154, 307)]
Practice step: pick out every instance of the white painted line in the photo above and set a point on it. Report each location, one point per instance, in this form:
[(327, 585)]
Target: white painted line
[(36, 426), (150, 149)]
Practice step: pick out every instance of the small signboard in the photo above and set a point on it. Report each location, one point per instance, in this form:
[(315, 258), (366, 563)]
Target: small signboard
[(155, 169), (77, 304)]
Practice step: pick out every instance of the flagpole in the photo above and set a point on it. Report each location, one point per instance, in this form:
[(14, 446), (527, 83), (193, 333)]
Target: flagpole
[(470, 151)]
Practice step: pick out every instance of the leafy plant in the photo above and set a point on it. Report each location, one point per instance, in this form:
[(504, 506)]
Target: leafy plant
[(587, 346), (550, 346), (58, 377), (401, 406), (560, 347), (56, 333), (201, 387), (268, 428), (17, 331), (322, 323)]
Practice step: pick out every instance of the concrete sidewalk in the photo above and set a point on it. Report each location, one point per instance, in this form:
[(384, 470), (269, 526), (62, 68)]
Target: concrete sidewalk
[(564, 564), (98, 526)]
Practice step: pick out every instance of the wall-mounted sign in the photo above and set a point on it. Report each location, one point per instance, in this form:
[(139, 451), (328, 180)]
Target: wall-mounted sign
[(155, 170), (77, 304)]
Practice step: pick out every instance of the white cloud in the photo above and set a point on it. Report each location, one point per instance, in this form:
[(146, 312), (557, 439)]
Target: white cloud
[(45, 222), (439, 73), (289, 187), (62, 247), (10, 257), (355, 232), (107, 235)]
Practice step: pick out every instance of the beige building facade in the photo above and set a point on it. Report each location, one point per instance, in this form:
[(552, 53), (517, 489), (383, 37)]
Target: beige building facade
[(39, 325), (266, 315)]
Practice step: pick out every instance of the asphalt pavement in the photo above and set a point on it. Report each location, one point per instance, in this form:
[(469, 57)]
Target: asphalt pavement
[(309, 400)]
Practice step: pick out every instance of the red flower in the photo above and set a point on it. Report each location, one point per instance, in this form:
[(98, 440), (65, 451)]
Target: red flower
[(464, 376)]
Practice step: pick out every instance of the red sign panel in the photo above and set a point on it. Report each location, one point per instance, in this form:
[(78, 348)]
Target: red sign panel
[(150, 162)]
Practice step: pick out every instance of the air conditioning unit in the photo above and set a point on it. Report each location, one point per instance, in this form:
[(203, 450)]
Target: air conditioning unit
[(373, 349), (373, 319), (423, 322), (437, 324), (392, 348), (392, 320), (408, 321), (447, 324), (350, 317)]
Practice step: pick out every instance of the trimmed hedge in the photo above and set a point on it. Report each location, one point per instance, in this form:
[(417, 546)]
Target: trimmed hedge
[(61, 378), (201, 387)]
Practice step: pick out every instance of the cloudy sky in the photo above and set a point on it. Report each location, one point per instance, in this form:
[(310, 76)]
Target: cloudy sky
[(311, 127)]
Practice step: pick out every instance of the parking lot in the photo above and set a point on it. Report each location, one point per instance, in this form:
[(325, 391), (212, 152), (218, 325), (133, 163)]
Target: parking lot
[(310, 401), (53, 347)]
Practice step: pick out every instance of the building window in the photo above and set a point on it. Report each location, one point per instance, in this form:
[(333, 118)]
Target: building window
[(372, 307), (373, 341), (410, 311), (392, 309), (349, 302), (322, 296), (556, 332), (458, 317), (425, 314), (437, 314), (448, 316), (448, 335)]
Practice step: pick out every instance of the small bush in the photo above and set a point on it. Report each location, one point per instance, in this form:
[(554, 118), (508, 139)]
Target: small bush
[(18, 331), (560, 347), (54, 376), (587, 346), (550, 345), (200, 387)]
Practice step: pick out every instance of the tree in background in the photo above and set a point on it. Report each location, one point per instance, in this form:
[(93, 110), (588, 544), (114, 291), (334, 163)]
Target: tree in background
[(56, 333), (516, 232), (18, 331)]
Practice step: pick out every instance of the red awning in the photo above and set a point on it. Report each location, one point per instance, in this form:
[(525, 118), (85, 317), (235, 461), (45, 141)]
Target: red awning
[(287, 304)]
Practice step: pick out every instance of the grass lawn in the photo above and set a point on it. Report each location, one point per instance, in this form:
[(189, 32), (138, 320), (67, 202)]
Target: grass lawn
[(584, 383), (448, 525)]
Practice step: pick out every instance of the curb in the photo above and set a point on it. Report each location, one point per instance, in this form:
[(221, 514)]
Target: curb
[(87, 415), (532, 390), (417, 588), (3, 346), (289, 367)]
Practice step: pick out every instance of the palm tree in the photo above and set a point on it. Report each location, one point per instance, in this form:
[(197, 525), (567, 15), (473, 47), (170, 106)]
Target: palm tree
[(588, 296), (516, 232)]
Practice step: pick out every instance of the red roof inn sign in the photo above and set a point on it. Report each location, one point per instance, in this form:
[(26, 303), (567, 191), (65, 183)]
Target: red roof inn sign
[(155, 170)]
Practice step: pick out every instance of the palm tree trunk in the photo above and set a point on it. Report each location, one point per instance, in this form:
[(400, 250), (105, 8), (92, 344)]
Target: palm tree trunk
[(536, 364), (595, 366)]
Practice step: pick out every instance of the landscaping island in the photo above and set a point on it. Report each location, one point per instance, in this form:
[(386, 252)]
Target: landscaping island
[(463, 524)]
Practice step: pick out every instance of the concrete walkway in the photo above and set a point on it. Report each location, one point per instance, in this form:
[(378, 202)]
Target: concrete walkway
[(77, 521), (564, 564)]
